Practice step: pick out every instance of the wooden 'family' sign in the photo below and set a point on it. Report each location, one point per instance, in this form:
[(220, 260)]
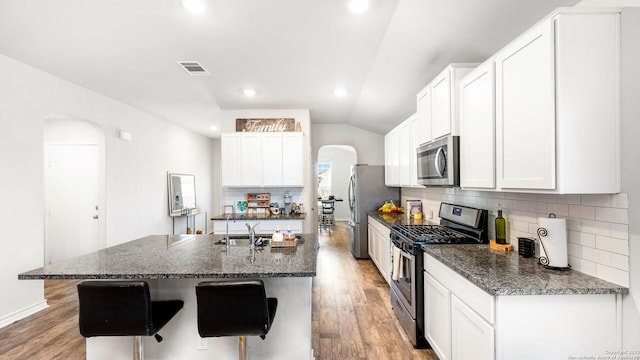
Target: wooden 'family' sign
[(266, 125)]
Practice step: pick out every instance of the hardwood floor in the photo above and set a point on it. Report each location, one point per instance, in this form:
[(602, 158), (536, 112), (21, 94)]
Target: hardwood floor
[(352, 316), (51, 333)]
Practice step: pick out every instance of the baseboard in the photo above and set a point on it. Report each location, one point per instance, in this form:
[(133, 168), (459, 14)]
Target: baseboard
[(21, 314)]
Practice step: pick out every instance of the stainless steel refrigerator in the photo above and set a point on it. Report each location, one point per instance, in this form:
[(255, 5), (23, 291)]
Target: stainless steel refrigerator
[(367, 192)]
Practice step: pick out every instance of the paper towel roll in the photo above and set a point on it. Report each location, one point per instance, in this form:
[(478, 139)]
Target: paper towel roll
[(555, 243)]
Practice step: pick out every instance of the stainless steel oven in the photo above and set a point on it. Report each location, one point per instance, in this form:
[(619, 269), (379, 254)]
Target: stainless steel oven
[(438, 162), (406, 280), (458, 225)]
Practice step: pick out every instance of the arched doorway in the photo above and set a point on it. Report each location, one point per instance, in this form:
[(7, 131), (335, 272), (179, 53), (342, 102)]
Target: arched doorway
[(333, 170), (74, 154)]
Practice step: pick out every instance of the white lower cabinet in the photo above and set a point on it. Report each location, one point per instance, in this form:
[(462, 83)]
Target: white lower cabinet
[(471, 336), (464, 322), (380, 247), (437, 300)]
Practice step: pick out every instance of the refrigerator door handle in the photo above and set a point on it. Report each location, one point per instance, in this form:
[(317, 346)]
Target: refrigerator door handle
[(351, 202)]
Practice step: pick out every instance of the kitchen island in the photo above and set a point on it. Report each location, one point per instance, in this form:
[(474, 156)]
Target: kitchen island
[(173, 265)]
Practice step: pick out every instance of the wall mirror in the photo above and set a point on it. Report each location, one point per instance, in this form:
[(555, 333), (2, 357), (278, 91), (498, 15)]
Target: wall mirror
[(182, 193)]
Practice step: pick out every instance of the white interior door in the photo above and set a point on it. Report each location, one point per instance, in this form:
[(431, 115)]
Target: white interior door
[(73, 212)]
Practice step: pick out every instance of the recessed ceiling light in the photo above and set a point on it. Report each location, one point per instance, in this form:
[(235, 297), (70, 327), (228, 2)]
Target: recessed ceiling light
[(249, 92), (340, 92), (358, 6), (194, 6), (213, 128)]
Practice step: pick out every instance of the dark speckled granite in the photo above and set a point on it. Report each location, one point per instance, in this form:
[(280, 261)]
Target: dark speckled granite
[(185, 256), (500, 273)]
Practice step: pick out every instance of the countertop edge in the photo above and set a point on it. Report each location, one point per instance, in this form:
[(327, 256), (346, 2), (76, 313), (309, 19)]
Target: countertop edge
[(511, 291), (162, 276)]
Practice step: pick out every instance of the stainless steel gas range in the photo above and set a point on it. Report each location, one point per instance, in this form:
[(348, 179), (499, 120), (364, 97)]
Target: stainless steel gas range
[(458, 225)]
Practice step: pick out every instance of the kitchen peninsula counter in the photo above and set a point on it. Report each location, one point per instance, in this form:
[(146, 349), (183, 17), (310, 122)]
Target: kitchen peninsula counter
[(174, 264)]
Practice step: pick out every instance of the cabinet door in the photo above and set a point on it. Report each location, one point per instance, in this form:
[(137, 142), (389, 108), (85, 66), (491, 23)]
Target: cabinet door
[(437, 309), (414, 129), (392, 150), (387, 159), (424, 116), (292, 159), (471, 336), (525, 111), (371, 241), (441, 104), (230, 164), (477, 128), (272, 165), (404, 146), (251, 161)]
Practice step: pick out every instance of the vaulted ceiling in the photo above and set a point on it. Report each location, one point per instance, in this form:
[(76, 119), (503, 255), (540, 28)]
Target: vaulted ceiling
[(294, 53)]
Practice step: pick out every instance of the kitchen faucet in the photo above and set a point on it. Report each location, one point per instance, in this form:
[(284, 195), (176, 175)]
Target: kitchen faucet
[(252, 235)]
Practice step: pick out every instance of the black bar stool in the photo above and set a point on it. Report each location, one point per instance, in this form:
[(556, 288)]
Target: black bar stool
[(234, 308), (123, 308)]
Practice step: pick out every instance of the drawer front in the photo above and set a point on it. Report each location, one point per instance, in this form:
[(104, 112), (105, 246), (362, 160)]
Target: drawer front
[(477, 299)]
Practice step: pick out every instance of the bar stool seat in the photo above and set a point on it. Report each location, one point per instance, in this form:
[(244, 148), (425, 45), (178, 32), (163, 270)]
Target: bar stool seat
[(234, 308), (123, 308), (326, 218)]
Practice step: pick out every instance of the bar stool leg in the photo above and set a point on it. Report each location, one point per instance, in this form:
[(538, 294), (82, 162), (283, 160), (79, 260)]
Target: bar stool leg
[(242, 347), (138, 348)]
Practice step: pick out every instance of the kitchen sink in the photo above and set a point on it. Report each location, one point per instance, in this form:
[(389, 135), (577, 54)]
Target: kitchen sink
[(243, 240)]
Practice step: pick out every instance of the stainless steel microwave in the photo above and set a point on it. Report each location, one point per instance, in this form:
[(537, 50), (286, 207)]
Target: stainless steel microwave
[(438, 162)]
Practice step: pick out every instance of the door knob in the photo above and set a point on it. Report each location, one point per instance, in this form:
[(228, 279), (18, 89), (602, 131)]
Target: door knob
[(95, 217)]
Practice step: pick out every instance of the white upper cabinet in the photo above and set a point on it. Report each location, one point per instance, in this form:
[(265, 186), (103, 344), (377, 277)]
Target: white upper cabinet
[(477, 128), (292, 159), (557, 105), (392, 157), (526, 111), (262, 159), (441, 105), (405, 146), (231, 145), (400, 154), (424, 115), (437, 103)]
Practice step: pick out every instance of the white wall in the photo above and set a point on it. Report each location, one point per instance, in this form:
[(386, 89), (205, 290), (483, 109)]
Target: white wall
[(341, 158), (136, 201), (369, 145)]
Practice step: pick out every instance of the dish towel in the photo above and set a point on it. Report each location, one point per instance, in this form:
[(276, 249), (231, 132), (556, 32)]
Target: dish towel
[(397, 270)]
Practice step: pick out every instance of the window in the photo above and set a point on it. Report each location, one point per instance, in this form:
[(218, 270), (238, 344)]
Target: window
[(324, 178)]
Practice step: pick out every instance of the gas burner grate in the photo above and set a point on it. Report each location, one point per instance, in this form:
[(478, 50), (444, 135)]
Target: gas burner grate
[(433, 234)]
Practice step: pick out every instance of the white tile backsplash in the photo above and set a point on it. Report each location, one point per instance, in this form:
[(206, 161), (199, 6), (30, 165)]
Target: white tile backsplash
[(597, 230)]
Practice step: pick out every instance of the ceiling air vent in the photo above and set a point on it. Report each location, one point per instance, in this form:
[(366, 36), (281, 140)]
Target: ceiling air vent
[(193, 68)]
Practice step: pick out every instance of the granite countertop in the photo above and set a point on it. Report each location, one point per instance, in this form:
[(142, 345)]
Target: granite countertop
[(500, 273), (391, 219), (242, 216), (186, 256)]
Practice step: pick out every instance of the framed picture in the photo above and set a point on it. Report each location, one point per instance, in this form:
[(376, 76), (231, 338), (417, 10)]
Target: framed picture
[(414, 207)]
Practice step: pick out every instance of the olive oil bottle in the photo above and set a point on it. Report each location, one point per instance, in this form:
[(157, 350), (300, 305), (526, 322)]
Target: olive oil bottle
[(501, 232)]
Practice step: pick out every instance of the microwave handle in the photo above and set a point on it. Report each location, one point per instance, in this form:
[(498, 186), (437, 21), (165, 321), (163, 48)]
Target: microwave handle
[(437, 160)]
